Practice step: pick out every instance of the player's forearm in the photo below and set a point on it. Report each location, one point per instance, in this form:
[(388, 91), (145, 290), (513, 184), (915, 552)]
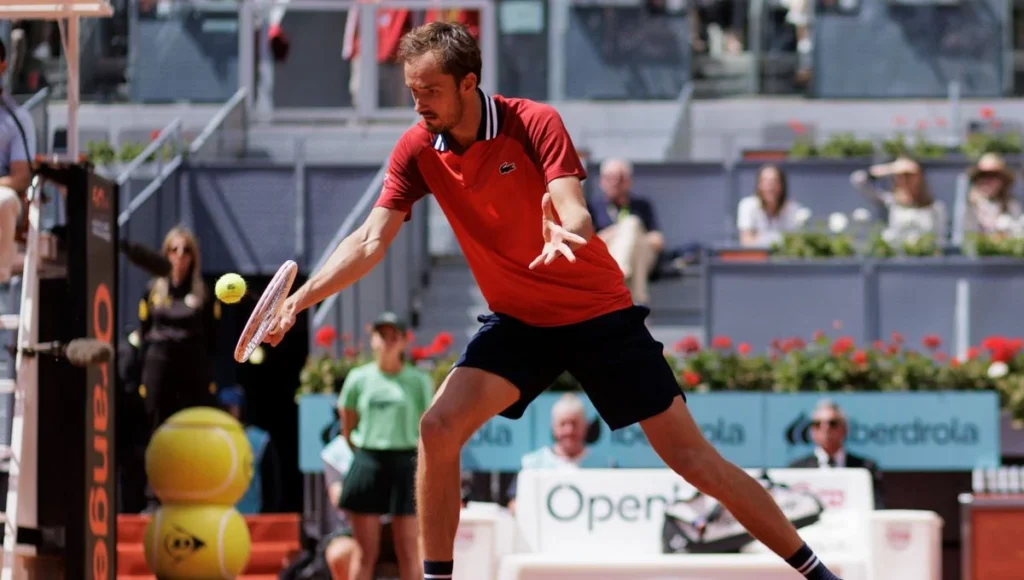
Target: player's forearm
[(354, 257)]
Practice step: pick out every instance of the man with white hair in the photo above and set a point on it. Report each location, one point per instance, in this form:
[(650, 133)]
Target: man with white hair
[(569, 430), (829, 429), (627, 225)]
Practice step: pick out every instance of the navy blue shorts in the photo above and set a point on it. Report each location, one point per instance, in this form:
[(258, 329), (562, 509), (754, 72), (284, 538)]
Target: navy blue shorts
[(614, 357)]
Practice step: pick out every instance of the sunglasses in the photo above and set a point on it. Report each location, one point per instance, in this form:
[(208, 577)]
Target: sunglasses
[(832, 423)]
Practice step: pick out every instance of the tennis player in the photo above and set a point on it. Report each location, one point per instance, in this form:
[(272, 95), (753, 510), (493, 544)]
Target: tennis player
[(502, 169)]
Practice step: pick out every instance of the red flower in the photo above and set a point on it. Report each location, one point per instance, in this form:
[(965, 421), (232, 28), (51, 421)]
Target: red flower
[(973, 352), (940, 121), (941, 357), (993, 343), (797, 127), (351, 352), (899, 120), (325, 336), (1015, 345), (410, 336), (953, 362), (897, 338), (842, 346), (442, 341), (743, 348), (346, 338), (922, 124), (987, 113), (418, 353), (688, 345), (931, 341), (1002, 354), (860, 357), (721, 342), (879, 346), (691, 378), (818, 336)]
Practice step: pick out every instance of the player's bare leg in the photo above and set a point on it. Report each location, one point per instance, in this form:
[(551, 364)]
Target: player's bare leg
[(467, 399), (681, 444)]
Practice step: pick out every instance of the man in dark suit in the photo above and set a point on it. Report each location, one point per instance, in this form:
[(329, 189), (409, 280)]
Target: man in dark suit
[(829, 431), (627, 225)]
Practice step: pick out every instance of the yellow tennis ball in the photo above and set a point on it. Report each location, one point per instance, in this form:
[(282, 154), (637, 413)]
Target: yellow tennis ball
[(199, 456), (230, 288), (257, 356), (190, 542)]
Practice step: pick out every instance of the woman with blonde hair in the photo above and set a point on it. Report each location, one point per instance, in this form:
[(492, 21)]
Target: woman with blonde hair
[(912, 210), (176, 333), (990, 197)]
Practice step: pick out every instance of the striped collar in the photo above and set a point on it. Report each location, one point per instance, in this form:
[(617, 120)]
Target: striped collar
[(490, 122)]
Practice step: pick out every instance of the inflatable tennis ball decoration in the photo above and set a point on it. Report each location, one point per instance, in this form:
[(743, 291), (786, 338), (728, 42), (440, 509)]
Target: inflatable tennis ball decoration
[(199, 456), (196, 542), (230, 288)]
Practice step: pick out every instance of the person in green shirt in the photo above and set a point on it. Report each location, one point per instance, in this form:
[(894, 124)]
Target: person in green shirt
[(380, 405)]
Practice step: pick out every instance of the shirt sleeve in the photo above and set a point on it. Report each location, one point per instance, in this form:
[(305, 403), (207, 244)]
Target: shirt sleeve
[(403, 183), (349, 396), (18, 151), (552, 144), (745, 214), (428, 392)]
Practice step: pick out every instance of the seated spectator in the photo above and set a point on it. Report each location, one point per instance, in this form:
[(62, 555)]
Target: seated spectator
[(626, 223), (264, 493), (912, 210), (990, 197), (340, 550), (829, 431), (762, 218), (17, 148), (569, 428)]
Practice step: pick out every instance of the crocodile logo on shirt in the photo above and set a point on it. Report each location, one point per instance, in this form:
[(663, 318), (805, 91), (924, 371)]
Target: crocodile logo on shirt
[(507, 168)]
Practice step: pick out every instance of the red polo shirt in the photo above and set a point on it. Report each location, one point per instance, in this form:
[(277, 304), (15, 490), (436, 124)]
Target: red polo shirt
[(491, 195)]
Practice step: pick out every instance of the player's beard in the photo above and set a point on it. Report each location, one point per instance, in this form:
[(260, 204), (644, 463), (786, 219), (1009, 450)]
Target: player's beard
[(443, 126)]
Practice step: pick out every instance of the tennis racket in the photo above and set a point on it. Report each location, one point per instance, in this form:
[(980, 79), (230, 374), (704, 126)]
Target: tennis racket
[(266, 311)]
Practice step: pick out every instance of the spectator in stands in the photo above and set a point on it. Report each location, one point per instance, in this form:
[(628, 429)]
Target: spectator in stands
[(264, 493), (341, 550), (991, 207), (381, 405), (626, 223), (17, 148), (912, 210), (177, 317), (392, 24), (762, 218), (829, 429), (570, 431)]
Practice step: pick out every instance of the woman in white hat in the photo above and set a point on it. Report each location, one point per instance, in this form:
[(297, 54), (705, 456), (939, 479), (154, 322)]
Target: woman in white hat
[(912, 210), (991, 207)]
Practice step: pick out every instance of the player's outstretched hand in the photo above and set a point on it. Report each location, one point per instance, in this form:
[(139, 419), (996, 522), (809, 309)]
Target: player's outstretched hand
[(282, 323), (556, 238)]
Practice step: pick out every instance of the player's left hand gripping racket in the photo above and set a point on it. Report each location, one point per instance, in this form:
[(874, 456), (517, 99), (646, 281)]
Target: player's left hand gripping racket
[(266, 311)]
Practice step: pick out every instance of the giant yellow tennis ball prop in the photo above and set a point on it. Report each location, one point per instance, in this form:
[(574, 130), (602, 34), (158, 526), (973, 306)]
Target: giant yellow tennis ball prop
[(230, 288), (199, 456), (197, 543)]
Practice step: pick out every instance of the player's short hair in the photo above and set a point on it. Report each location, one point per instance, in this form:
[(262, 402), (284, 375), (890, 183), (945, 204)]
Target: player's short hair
[(456, 49), (568, 404)]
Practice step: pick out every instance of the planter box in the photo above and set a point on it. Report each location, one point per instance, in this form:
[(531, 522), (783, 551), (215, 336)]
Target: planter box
[(907, 431)]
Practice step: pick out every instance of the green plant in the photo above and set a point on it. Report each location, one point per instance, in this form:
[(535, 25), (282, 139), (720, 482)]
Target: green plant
[(803, 148), (129, 151), (978, 144), (990, 245), (824, 364), (846, 145), (324, 372), (100, 152)]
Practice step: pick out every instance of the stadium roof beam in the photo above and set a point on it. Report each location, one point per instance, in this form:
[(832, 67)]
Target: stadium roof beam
[(67, 13)]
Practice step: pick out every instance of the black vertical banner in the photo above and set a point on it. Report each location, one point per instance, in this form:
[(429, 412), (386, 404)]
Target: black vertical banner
[(101, 309)]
